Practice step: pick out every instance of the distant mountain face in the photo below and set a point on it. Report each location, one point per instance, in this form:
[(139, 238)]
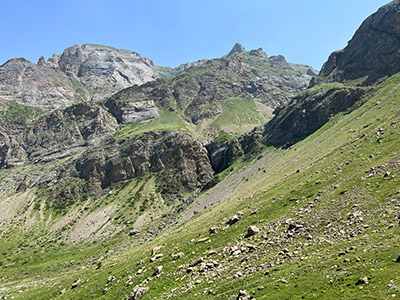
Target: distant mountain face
[(80, 73), (199, 92), (95, 72), (208, 99)]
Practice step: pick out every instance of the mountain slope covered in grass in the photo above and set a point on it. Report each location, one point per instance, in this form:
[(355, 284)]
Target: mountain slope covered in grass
[(306, 206)]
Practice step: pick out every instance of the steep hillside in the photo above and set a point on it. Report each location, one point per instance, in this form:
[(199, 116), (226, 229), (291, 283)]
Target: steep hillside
[(155, 193), (326, 207)]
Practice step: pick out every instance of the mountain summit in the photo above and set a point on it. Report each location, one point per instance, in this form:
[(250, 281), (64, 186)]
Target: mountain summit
[(237, 49)]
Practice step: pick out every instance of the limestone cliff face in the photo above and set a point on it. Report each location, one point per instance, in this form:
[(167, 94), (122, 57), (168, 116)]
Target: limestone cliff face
[(131, 106), (80, 73), (373, 51), (181, 161), (308, 112), (42, 85), (65, 132)]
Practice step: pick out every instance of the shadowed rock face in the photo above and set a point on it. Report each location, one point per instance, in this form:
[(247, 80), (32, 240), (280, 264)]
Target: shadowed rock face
[(373, 51), (308, 112), (181, 161), (65, 132)]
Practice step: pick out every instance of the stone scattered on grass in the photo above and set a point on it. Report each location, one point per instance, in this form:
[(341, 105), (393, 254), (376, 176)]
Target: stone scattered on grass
[(157, 270), (137, 293), (233, 220), (214, 230), (252, 230), (362, 281), (76, 283)]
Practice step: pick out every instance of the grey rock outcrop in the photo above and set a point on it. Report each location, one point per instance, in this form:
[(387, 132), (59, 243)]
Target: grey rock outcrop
[(237, 49), (182, 161), (65, 132), (308, 112), (132, 106), (373, 50), (81, 73), (372, 54)]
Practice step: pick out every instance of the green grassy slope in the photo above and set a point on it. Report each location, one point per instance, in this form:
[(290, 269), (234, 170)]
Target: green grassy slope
[(168, 120), (12, 112), (339, 188), (238, 115)]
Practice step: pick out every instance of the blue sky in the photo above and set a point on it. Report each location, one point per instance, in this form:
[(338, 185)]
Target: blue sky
[(174, 32)]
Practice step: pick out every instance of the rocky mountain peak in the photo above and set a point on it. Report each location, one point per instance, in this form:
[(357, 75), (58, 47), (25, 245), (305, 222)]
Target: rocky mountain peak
[(373, 52), (80, 73), (237, 49)]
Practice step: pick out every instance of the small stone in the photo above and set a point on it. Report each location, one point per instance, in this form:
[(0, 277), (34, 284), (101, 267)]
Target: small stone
[(255, 211), (63, 291), (196, 262), (157, 270), (178, 255), (157, 256), (203, 240), (362, 281), (214, 230), (155, 250), (76, 283), (133, 232), (137, 293), (233, 220), (243, 295), (252, 230)]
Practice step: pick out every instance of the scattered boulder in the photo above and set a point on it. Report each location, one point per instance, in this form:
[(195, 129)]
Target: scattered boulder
[(178, 255), (233, 220), (214, 230), (157, 270), (155, 250), (137, 293), (76, 283), (157, 256), (62, 292), (252, 230), (243, 295), (202, 240), (362, 281), (133, 232), (196, 262)]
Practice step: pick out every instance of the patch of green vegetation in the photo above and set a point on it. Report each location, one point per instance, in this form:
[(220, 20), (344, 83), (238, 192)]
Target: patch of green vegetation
[(168, 120), (13, 112), (223, 136), (237, 113)]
